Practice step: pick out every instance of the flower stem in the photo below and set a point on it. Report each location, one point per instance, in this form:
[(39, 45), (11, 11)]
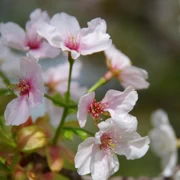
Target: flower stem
[(97, 84), (67, 97)]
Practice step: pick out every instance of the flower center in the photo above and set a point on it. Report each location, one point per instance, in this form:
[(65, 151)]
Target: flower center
[(72, 42), (96, 109), (23, 86), (33, 41), (106, 142)]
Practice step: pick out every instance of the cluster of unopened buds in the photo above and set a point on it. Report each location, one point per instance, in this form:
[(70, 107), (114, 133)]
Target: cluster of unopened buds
[(58, 90)]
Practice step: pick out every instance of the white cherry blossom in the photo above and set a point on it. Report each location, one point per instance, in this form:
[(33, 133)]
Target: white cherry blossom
[(30, 92), (117, 135), (28, 40), (120, 67), (64, 32), (113, 102)]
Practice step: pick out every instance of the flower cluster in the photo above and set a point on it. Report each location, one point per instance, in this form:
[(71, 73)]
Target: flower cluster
[(44, 38), (117, 134)]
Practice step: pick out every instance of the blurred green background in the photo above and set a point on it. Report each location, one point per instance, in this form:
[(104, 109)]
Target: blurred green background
[(145, 30)]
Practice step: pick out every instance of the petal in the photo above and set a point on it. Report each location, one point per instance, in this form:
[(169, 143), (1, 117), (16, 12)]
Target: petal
[(159, 117), (13, 35), (169, 163), (97, 24), (50, 34), (94, 38), (133, 76), (103, 165), (120, 102), (83, 156), (83, 105), (45, 51), (65, 23), (32, 71), (37, 16), (134, 147), (125, 125), (105, 125), (116, 59), (17, 111)]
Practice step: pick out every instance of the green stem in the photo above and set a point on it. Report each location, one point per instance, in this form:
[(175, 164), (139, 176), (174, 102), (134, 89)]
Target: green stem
[(65, 112), (4, 78), (71, 62), (80, 129), (98, 84)]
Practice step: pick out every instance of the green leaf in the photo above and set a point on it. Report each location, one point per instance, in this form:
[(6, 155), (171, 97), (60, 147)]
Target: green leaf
[(57, 100), (69, 132)]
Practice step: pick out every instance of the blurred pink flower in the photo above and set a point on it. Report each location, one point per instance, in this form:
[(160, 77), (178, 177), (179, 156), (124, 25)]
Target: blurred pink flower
[(28, 41), (113, 102), (64, 32), (56, 79), (31, 91), (117, 135), (120, 66)]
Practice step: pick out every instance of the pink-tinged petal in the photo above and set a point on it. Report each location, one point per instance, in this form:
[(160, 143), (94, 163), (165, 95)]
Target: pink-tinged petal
[(120, 102), (32, 72), (37, 16), (133, 147), (133, 76), (94, 38), (94, 42), (169, 163), (103, 165), (45, 51), (105, 125), (159, 117), (17, 111), (83, 105), (97, 24), (50, 33), (116, 59), (125, 125), (83, 156), (13, 36), (65, 24)]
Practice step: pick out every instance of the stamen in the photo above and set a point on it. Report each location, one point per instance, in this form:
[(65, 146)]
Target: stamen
[(23, 86), (72, 42), (96, 109)]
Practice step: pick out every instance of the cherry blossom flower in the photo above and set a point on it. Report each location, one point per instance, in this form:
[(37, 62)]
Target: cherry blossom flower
[(163, 142), (120, 66), (28, 41), (31, 91), (117, 135), (64, 32), (58, 82), (113, 102)]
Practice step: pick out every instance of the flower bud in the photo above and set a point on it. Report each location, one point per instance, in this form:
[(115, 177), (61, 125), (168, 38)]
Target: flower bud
[(54, 158), (30, 138)]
